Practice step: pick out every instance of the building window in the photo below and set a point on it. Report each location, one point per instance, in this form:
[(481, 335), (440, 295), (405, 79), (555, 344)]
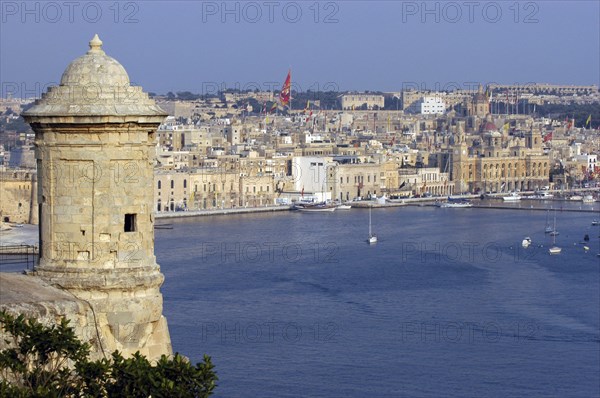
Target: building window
[(184, 184), (159, 184), (130, 223), (172, 184)]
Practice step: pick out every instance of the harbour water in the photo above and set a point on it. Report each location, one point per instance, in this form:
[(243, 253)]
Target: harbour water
[(447, 303)]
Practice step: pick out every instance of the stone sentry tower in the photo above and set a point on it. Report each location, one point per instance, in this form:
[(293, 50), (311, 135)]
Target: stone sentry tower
[(95, 148)]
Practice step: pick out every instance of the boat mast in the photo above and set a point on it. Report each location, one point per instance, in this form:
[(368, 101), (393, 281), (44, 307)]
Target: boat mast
[(370, 234), (554, 228)]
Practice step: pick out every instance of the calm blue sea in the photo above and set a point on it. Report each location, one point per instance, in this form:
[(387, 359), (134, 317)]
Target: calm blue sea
[(447, 303)]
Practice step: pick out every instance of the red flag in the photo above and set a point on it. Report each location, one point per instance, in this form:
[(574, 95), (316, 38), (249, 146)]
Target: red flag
[(548, 137), (284, 95)]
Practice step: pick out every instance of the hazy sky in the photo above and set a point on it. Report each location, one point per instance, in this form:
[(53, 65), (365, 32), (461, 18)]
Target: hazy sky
[(346, 45)]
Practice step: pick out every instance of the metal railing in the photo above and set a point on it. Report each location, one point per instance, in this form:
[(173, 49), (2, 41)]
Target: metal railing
[(14, 256)]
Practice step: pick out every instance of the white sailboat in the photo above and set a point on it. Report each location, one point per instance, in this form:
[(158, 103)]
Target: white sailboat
[(549, 228), (554, 249), (372, 237)]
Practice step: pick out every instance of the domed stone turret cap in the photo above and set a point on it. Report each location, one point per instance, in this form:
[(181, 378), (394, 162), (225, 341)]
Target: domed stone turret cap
[(95, 67), (94, 85)]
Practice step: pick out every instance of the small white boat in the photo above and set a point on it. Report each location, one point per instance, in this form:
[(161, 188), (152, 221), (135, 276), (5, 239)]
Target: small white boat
[(372, 237), (595, 223), (539, 195), (576, 197), (554, 249), (309, 207), (526, 241), (588, 199), (344, 207), (316, 209), (456, 204), (512, 197)]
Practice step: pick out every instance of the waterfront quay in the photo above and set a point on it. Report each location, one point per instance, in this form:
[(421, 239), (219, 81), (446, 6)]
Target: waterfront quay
[(590, 209), (216, 212)]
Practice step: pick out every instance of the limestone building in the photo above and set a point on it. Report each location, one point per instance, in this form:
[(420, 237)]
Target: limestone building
[(357, 100), (18, 190), (95, 149), (495, 162)]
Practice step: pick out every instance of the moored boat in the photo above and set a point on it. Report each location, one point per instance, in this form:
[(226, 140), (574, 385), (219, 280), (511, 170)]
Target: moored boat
[(539, 196), (310, 207), (317, 209), (512, 197), (456, 204), (372, 237), (548, 228), (554, 249)]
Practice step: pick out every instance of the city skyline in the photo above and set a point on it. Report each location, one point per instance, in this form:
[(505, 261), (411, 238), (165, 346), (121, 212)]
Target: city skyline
[(205, 46)]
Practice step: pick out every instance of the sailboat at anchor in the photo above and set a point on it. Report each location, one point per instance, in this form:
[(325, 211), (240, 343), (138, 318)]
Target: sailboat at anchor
[(554, 249), (548, 228), (372, 237)]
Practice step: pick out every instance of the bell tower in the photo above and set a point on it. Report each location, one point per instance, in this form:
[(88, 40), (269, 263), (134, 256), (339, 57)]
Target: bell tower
[(95, 148), (459, 156)]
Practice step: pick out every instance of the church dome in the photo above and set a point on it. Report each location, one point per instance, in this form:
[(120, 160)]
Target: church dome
[(95, 67), (488, 125)]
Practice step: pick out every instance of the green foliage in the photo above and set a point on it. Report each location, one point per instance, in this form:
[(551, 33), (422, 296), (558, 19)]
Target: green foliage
[(50, 361), (579, 112)]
